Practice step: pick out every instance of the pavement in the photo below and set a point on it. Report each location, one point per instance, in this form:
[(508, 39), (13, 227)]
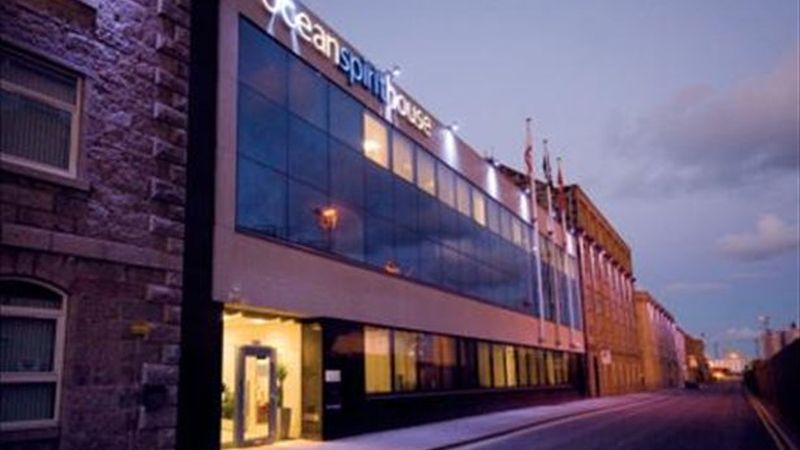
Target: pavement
[(715, 417)]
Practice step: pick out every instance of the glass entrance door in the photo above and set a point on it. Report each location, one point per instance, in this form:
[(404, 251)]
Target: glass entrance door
[(256, 391)]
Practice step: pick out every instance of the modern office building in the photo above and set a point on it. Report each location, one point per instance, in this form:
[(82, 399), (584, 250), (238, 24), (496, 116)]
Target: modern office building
[(614, 360), (663, 349), (352, 264), (93, 101)]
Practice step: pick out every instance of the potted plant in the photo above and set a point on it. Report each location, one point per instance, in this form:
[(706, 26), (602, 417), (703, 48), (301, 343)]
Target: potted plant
[(284, 414)]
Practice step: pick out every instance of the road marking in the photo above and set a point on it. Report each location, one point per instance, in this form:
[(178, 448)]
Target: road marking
[(546, 423), (774, 430)]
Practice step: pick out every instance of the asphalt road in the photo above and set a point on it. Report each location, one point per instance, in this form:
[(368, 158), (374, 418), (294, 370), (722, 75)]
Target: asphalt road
[(715, 417)]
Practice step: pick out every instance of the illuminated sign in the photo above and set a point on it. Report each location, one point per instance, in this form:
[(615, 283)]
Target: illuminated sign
[(358, 70)]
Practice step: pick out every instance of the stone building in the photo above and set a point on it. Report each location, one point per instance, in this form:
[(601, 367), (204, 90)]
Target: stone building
[(94, 138), (606, 267), (661, 342)]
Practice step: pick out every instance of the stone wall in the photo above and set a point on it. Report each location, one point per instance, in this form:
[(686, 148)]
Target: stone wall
[(113, 238)]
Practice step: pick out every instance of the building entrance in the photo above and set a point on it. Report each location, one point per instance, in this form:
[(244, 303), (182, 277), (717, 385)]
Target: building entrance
[(261, 379), (254, 416)]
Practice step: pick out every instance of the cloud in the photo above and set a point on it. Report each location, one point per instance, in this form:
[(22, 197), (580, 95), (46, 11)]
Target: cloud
[(682, 287), (704, 138), (737, 334), (772, 237)]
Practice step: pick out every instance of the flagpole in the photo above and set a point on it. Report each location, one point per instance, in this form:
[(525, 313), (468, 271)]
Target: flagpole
[(534, 216), (550, 231), (562, 206)]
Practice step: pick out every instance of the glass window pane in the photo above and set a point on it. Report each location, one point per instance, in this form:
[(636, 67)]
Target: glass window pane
[(376, 360), (478, 207), (378, 242), (447, 188), (262, 62), (308, 93), (468, 364), (511, 367), (376, 140), (407, 247), (308, 153), (262, 128), (516, 231), (493, 216), (28, 295), (403, 157), (347, 174), (463, 196), (499, 365), (426, 172), (378, 191), (484, 365), (429, 373), (405, 204), (27, 344), (447, 346), (348, 236), (27, 401), (35, 131), (38, 77), (304, 206), (261, 197), (346, 121), (522, 366), (405, 361)]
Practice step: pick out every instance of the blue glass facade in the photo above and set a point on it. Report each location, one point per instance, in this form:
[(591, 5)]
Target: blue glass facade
[(304, 147)]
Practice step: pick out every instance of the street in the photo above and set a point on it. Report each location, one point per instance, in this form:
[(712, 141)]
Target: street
[(716, 417)]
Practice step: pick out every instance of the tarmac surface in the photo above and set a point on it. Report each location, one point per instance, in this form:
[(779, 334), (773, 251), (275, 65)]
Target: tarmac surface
[(715, 417)]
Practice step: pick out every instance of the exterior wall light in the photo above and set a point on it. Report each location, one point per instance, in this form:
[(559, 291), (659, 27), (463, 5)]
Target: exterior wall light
[(453, 127), (392, 268), (395, 72), (328, 217)]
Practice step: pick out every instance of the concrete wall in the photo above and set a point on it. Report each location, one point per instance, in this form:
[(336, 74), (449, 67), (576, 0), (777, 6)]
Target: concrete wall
[(112, 238)]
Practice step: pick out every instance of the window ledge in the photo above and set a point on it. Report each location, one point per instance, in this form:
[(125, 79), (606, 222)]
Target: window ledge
[(10, 434), (73, 183)]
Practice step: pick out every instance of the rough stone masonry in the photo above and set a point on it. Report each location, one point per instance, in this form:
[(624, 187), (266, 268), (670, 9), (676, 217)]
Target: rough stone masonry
[(111, 238)]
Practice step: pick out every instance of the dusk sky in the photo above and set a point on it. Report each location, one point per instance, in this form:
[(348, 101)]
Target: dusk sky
[(680, 119)]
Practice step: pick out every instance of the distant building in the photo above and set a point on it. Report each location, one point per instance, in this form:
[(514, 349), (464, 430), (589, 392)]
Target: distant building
[(771, 342), (733, 363), (661, 353), (606, 267), (697, 368)]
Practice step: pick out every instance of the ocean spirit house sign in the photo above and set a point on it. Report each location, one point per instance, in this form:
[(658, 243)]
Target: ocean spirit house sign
[(358, 70)]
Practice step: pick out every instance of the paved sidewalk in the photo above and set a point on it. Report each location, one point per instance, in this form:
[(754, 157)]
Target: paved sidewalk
[(441, 434)]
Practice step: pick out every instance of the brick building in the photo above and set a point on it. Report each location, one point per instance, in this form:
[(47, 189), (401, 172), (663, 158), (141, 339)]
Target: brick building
[(661, 342), (94, 137), (606, 267)]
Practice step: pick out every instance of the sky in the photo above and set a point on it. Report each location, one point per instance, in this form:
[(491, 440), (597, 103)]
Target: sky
[(680, 119)]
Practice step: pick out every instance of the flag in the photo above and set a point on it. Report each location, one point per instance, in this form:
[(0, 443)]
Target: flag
[(548, 172), (529, 150)]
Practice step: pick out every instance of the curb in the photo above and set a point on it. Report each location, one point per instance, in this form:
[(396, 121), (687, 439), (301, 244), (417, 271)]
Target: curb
[(535, 424), (782, 438)]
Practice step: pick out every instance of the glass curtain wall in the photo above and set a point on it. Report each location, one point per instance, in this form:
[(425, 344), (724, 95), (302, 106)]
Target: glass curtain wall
[(315, 168)]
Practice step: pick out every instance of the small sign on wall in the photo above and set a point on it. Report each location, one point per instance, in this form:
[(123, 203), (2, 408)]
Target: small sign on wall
[(605, 357), (333, 376)]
